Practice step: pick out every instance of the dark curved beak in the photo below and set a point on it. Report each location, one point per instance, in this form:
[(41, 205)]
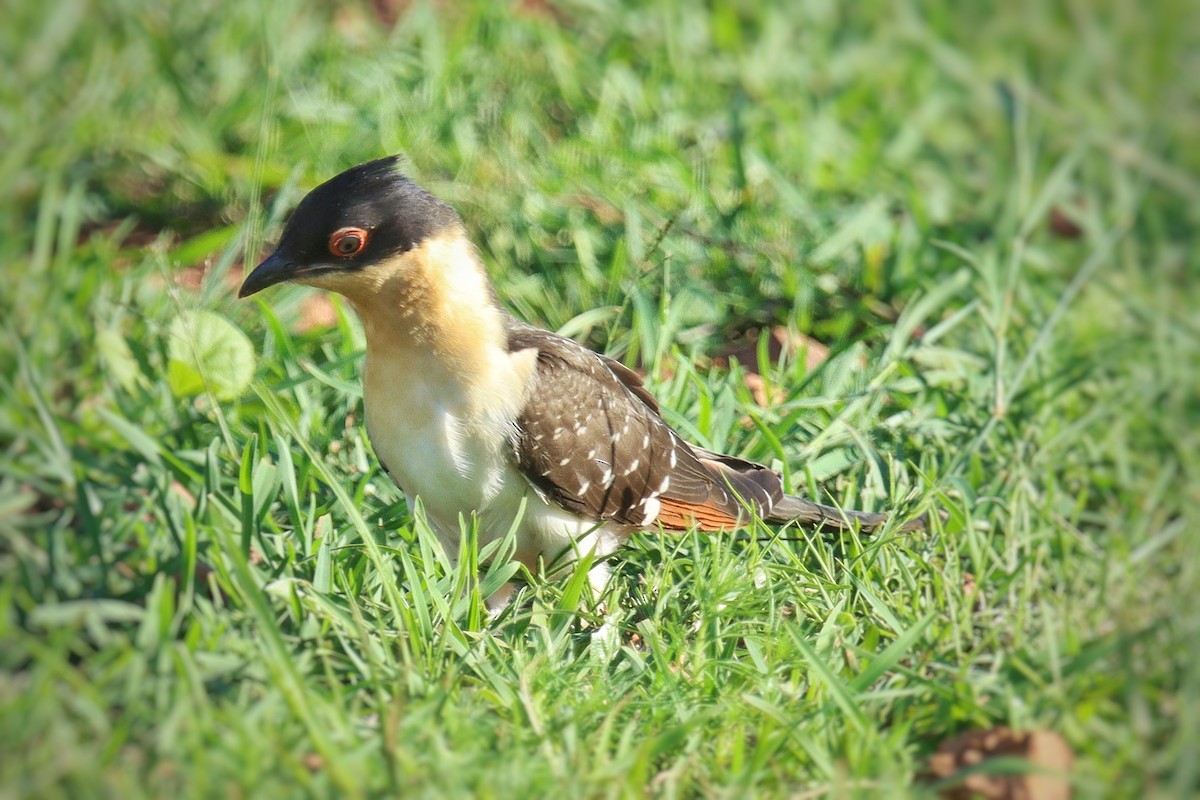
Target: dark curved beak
[(274, 269)]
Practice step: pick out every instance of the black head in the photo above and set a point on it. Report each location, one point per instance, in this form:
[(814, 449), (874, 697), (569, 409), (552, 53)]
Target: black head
[(365, 215)]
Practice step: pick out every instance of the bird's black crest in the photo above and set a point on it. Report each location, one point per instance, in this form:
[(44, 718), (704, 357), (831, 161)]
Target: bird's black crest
[(376, 196)]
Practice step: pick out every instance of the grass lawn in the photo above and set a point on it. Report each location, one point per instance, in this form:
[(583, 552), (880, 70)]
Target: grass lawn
[(975, 227)]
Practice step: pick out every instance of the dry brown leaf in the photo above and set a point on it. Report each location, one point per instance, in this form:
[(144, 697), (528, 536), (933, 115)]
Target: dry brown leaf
[(757, 385), (1050, 760), (543, 8), (780, 341), (1063, 225)]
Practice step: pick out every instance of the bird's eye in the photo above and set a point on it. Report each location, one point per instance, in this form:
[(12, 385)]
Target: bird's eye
[(347, 242)]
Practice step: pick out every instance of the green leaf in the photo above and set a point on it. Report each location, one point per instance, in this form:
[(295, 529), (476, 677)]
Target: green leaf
[(208, 352)]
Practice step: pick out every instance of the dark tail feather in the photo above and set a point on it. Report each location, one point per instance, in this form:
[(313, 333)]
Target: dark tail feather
[(808, 513), (755, 484)]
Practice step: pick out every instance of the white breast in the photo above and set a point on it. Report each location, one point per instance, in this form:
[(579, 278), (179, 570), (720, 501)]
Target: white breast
[(455, 456), (432, 444)]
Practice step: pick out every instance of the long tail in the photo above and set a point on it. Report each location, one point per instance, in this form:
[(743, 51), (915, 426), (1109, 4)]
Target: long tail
[(755, 484), (806, 512)]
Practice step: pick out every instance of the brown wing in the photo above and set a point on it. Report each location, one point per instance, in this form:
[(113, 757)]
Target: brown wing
[(591, 438)]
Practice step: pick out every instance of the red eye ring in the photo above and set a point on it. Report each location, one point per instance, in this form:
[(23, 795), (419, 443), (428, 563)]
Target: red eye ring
[(348, 242)]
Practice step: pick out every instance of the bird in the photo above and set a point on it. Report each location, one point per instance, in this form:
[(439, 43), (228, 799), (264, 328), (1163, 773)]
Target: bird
[(486, 418)]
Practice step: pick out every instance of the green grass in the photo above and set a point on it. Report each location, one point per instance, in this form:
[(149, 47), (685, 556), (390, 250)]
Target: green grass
[(225, 597)]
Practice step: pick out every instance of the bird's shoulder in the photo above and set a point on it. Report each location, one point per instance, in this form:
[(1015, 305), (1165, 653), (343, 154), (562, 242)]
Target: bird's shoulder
[(565, 361)]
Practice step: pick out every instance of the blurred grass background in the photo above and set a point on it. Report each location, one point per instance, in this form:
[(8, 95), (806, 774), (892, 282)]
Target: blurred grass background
[(974, 225)]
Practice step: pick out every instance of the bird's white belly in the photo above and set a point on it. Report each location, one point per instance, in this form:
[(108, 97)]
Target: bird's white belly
[(438, 460), (461, 466)]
